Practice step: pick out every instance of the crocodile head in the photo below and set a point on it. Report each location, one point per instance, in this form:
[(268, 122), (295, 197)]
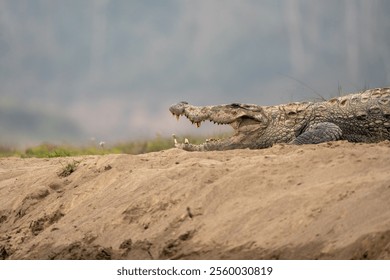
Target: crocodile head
[(247, 120)]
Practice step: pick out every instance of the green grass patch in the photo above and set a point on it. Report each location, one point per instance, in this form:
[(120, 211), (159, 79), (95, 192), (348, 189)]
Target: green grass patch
[(48, 150), (9, 152)]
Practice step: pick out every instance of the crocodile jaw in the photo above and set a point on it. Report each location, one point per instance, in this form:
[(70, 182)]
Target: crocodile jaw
[(197, 115), (209, 144), (243, 121)]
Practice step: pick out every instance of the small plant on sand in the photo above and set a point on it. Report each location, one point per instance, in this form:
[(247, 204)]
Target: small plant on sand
[(68, 168)]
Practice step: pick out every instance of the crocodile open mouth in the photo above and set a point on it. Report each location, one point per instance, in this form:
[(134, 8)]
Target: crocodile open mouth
[(245, 119), (238, 117), (225, 132), (217, 139)]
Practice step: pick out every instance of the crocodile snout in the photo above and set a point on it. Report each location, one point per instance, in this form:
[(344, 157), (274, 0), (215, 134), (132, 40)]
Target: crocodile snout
[(178, 109)]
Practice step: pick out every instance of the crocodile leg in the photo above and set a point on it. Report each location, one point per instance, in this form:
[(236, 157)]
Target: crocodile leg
[(319, 133)]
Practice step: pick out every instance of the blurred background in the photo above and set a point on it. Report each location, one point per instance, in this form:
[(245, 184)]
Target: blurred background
[(107, 70)]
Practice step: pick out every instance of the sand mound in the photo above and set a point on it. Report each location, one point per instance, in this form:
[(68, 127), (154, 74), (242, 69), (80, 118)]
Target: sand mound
[(327, 201)]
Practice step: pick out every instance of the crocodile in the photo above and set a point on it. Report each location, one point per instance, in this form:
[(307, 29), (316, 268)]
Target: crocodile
[(356, 117)]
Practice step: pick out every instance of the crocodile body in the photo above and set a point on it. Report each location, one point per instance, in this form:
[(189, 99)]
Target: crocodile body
[(357, 117)]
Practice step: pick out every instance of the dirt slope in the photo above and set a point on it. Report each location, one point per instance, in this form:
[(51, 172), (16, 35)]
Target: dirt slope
[(327, 201)]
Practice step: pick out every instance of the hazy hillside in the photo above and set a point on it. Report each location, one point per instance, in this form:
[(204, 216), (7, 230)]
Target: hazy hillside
[(114, 67), (27, 126)]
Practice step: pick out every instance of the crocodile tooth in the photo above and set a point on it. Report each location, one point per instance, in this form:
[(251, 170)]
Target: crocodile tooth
[(177, 117), (198, 124), (174, 139), (186, 141)]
